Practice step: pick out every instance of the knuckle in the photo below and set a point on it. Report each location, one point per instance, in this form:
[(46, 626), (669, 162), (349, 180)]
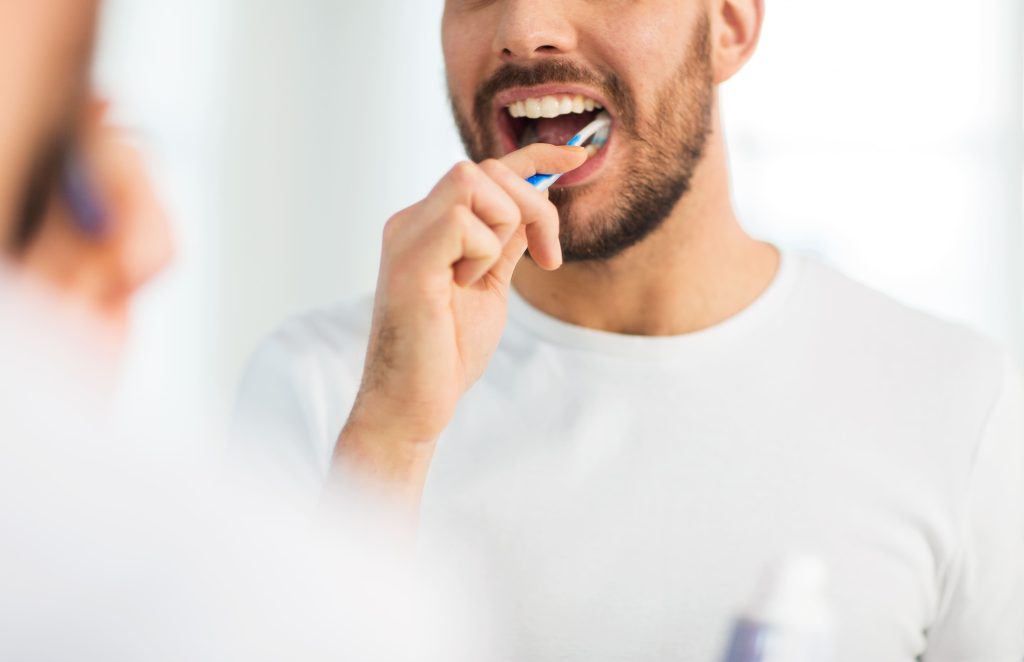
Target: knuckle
[(397, 225), (404, 226), (515, 214), (491, 166), (391, 228), (463, 173), (512, 209), (454, 223), (494, 246), (488, 247), (459, 216)]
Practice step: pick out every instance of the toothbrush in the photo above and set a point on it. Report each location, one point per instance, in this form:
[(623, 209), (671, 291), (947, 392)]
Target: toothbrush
[(598, 130), (80, 192)]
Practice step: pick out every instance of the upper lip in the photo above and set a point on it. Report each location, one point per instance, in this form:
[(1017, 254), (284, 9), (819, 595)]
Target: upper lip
[(510, 96)]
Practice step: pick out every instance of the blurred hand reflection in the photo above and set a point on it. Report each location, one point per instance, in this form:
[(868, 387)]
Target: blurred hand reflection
[(102, 267), (54, 132)]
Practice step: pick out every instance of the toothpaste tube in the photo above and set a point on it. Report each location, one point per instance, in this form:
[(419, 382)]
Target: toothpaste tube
[(790, 620)]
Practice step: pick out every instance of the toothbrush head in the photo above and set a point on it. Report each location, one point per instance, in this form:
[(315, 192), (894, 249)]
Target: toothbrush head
[(601, 137), (596, 132)]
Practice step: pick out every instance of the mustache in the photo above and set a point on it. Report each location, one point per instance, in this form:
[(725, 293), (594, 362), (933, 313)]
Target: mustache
[(553, 71)]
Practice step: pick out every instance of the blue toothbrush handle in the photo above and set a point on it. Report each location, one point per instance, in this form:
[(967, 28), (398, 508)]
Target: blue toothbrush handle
[(542, 182)]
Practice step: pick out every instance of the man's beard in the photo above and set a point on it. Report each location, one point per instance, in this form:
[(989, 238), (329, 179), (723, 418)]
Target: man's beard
[(666, 148)]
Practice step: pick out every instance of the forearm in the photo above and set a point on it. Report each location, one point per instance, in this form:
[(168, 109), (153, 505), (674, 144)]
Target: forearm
[(439, 310), (382, 463)]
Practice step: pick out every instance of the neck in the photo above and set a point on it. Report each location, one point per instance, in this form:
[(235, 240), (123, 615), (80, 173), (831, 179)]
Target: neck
[(696, 270)]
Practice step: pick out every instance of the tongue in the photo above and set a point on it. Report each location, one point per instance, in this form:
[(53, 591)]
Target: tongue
[(558, 130)]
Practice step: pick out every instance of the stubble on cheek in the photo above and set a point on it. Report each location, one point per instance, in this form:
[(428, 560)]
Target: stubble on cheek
[(473, 139)]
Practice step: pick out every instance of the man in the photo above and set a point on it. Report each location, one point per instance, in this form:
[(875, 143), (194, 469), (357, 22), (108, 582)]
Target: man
[(671, 403)]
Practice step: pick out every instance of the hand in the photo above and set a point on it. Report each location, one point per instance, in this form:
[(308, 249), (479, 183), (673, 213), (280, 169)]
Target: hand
[(100, 272), (442, 295)]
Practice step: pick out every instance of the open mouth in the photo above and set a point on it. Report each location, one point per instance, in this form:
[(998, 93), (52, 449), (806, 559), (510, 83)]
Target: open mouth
[(550, 118)]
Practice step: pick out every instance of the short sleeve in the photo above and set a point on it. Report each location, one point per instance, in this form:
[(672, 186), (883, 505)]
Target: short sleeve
[(292, 402), (983, 618)]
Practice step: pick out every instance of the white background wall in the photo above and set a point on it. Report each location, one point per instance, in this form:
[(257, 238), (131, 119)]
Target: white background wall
[(885, 136), (162, 66)]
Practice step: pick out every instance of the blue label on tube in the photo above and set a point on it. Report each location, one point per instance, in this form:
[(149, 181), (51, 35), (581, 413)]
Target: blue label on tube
[(757, 642)]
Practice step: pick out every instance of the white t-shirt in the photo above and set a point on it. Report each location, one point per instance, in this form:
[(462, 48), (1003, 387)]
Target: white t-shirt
[(621, 494)]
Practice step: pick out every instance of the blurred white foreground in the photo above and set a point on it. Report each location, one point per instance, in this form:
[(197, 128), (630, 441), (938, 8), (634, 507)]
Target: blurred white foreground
[(123, 545)]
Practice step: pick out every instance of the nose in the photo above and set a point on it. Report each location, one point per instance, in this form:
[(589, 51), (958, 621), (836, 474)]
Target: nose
[(532, 30)]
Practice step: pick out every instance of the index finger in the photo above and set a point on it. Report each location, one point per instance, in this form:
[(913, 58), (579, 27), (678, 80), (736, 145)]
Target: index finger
[(541, 158)]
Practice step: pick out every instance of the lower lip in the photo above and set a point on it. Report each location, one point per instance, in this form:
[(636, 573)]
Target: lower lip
[(589, 170)]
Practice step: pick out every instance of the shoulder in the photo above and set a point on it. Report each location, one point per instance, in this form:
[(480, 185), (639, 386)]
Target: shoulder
[(335, 335), (906, 379), (297, 388), (862, 329), (313, 360), (333, 329)]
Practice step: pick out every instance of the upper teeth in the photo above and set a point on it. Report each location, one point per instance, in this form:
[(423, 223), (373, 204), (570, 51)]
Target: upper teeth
[(552, 106)]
